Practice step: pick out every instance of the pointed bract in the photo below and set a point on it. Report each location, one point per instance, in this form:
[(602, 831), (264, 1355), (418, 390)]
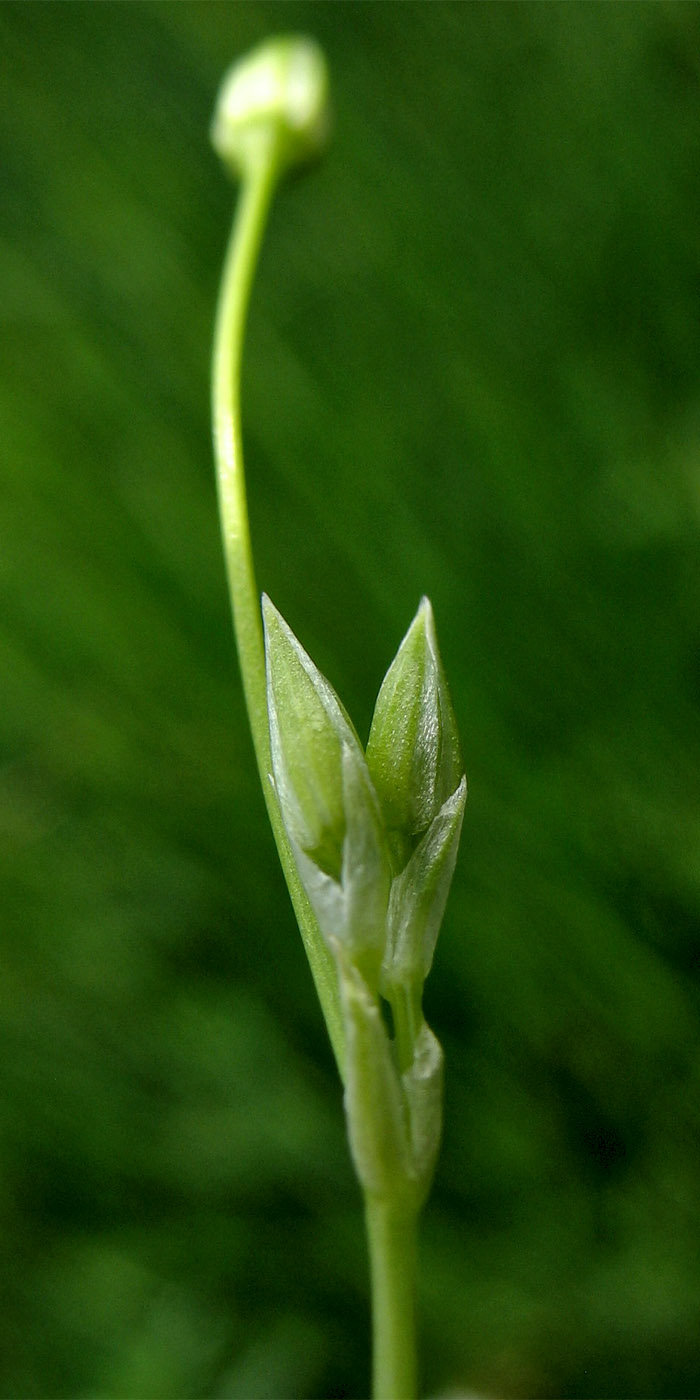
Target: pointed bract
[(419, 895), (422, 1088), (377, 1121), (394, 1119)]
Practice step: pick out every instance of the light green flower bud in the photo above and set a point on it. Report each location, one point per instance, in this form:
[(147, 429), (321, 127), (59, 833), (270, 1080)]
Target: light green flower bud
[(275, 99), (328, 804), (308, 731), (413, 752)]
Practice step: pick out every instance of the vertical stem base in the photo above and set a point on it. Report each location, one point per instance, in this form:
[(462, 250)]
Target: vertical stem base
[(392, 1240)]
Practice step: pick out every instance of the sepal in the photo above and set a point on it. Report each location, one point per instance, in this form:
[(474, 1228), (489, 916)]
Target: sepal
[(419, 895)]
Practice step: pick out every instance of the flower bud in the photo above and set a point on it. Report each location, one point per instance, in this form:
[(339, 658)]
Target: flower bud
[(413, 751), (275, 99), (328, 804), (308, 731)]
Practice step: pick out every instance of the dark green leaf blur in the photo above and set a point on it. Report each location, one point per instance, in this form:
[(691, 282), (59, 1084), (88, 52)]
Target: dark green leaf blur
[(473, 371)]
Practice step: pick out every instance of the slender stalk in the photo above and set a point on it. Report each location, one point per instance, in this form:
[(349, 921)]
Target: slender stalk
[(246, 237), (392, 1236), (239, 268), (272, 114), (391, 1229)]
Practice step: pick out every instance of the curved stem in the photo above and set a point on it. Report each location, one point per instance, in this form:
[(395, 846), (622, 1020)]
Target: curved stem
[(391, 1235), (241, 258), (239, 267)]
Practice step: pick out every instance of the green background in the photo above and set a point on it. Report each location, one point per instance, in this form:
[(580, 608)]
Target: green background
[(473, 370)]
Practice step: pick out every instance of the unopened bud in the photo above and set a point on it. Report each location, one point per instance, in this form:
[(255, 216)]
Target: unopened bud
[(274, 101), (413, 751), (328, 804)]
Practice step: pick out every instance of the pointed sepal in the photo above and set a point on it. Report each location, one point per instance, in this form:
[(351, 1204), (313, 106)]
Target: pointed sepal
[(419, 895), (327, 799)]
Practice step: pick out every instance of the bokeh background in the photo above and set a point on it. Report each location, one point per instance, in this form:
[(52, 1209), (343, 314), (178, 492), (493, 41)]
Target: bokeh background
[(473, 370)]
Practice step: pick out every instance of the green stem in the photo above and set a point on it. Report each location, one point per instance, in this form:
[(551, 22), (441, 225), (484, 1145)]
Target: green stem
[(406, 1009), (241, 258), (391, 1236)]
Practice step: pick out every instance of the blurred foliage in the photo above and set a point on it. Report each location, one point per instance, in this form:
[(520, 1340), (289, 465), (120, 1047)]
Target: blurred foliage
[(473, 370)]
